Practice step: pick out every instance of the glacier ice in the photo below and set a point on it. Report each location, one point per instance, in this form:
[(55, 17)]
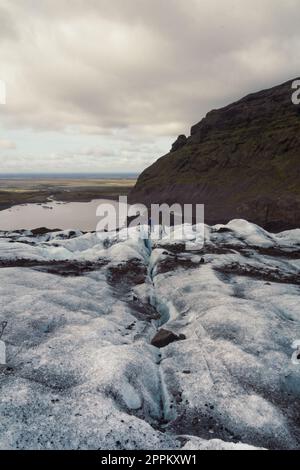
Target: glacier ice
[(81, 372)]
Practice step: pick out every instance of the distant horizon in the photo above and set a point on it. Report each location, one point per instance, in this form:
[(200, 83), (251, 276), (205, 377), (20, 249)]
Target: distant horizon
[(104, 175)]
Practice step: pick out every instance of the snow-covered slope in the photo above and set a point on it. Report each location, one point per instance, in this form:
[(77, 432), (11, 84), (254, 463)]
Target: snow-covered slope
[(82, 312)]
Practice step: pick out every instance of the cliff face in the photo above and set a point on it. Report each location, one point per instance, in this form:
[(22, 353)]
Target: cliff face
[(241, 161)]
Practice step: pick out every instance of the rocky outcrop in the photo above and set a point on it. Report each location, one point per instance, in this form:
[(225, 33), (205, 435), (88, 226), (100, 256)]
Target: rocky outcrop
[(241, 161), (179, 143)]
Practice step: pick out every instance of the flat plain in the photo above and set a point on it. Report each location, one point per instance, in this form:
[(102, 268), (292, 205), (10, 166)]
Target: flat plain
[(25, 191)]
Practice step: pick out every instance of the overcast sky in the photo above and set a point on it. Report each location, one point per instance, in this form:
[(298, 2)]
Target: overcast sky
[(107, 85)]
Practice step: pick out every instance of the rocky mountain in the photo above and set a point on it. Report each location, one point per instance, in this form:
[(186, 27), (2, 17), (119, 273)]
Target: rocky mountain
[(241, 161)]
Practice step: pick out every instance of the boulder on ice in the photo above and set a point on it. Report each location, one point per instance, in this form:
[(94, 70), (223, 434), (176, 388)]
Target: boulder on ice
[(164, 337)]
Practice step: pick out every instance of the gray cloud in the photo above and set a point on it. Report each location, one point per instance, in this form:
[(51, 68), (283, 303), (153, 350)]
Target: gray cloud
[(151, 68)]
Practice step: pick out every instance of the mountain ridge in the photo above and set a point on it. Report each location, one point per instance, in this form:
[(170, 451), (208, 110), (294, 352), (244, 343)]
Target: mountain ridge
[(241, 161)]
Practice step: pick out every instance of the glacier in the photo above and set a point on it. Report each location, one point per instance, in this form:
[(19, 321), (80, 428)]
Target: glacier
[(82, 310)]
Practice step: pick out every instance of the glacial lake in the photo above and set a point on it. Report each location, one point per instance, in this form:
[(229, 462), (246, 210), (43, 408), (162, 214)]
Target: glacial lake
[(54, 214)]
